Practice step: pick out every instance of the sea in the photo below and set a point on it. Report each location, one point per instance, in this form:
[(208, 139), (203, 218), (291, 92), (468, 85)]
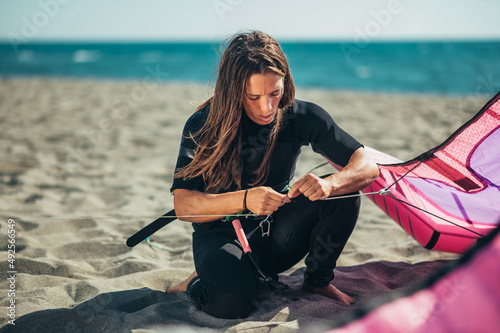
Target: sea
[(444, 68)]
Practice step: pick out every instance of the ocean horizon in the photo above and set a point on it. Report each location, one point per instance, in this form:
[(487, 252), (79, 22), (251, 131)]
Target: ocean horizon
[(429, 67)]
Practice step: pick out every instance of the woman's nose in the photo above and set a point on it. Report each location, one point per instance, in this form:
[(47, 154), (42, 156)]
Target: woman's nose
[(266, 104)]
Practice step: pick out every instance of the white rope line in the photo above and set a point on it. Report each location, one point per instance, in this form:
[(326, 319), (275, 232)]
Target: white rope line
[(384, 191), (413, 168), (128, 217), (439, 217)]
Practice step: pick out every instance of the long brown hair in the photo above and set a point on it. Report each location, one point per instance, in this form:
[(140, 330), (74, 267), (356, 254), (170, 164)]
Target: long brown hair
[(218, 154)]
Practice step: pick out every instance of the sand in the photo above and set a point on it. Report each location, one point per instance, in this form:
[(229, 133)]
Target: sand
[(85, 164)]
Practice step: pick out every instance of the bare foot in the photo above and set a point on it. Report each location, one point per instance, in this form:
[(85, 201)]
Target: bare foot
[(329, 291), (181, 286)]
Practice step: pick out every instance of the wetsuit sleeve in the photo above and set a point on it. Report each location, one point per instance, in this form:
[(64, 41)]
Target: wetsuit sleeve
[(186, 154), (319, 129)]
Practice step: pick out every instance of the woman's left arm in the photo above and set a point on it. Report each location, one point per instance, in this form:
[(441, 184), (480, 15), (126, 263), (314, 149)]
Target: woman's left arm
[(359, 172)]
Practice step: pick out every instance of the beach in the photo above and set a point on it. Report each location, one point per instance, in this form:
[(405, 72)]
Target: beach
[(85, 164)]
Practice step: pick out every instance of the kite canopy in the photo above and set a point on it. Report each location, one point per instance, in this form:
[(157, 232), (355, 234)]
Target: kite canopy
[(449, 196), (462, 298)]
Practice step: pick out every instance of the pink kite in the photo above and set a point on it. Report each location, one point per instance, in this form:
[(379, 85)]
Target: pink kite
[(449, 196), (465, 298)]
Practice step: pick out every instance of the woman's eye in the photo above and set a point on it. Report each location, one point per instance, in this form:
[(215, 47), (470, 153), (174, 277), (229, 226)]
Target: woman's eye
[(253, 98)]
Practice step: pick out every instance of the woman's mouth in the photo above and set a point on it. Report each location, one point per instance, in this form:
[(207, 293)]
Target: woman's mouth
[(267, 119)]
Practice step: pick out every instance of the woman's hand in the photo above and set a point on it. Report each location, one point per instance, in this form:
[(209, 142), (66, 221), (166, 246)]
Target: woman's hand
[(264, 200), (199, 207), (359, 172), (312, 187)]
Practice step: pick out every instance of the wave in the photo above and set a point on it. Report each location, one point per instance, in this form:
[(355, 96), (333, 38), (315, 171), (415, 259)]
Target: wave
[(84, 56), (26, 56)]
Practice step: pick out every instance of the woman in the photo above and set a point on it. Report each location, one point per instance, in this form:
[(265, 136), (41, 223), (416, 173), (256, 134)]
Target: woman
[(238, 153)]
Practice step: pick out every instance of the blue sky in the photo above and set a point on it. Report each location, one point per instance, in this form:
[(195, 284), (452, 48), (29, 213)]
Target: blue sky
[(38, 20)]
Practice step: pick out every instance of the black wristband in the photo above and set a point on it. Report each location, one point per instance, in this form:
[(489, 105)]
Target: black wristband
[(245, 200)]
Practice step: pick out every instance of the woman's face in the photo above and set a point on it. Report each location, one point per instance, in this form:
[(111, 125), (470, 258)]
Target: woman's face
[(262, 96)]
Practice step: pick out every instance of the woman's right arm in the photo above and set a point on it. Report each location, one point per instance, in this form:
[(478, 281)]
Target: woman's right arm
[(199, 207)]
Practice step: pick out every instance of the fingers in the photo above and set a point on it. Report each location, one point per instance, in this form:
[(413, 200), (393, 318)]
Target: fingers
[(265, 201), (266, 210), (312, 187), (295, 190), (278, 197)]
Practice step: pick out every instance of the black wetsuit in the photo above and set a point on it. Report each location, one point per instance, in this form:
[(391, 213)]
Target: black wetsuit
[(228, 283)]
